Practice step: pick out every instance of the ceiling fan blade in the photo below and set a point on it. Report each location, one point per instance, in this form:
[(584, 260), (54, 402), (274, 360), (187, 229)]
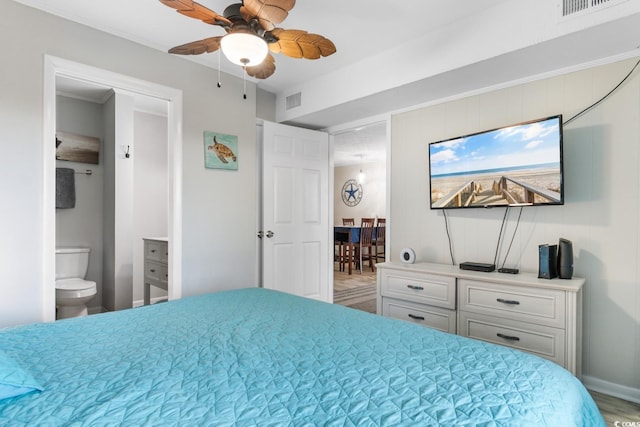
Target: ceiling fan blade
[(268, 12), (301, 44), (195, 10), (265, 69), (210, 44)]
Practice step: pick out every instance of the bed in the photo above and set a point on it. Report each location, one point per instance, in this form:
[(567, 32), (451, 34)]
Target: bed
[(256, 357)]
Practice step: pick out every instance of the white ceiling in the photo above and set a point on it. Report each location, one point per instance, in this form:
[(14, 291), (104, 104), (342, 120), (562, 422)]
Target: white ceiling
[(364, 144), (358, 29), (457, 41)]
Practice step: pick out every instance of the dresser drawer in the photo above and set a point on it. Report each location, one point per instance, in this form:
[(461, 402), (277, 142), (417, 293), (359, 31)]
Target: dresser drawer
[(439, 291), (164, 274), (540, 306), (542, 341), (156, 275), (433, 317), (164, 253), (154, 270), (156, 251)]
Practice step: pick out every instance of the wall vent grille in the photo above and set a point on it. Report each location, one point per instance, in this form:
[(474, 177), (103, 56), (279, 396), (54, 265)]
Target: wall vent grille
[(569, 7), (294, 101)]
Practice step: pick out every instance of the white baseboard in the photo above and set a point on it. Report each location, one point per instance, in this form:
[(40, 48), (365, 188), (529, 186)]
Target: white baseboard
[(621, 391), (96, 310), (140, 303)]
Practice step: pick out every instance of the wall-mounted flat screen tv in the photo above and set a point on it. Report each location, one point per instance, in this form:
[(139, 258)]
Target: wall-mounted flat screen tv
[(518, 165)]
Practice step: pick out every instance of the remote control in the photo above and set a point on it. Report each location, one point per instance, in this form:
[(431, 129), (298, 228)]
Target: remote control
[(509, 270)]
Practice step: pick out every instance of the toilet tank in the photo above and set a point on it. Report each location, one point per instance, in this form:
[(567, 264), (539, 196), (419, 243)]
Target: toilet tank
[(72, 263)]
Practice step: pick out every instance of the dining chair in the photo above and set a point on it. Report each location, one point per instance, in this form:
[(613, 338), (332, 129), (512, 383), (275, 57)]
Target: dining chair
[(343, 252), (379, 239), (366, 242), (345, 249), (348, 221), (346, 253)]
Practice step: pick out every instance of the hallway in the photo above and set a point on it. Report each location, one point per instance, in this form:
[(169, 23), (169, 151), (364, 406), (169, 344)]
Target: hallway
[(356, 290)]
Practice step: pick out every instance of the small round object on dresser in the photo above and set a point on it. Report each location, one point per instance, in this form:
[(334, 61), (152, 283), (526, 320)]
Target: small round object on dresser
[(408, 256)]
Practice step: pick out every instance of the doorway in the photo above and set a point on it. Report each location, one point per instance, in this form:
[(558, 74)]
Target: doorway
[(359, 191), (57, 69)]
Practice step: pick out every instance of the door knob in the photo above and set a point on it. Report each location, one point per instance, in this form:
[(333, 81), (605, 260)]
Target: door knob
[(269, 234), (260, 234)]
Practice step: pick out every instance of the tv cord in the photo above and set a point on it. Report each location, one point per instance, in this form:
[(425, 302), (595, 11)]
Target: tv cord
[(446, 226), (495, 257), (604, 97), (512, 237)]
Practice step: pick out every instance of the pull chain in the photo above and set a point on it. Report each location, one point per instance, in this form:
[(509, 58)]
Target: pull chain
[(244, 82), (219, 84)]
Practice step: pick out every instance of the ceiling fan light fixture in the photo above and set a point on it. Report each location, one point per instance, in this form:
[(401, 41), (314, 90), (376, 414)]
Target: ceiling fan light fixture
[(244, 49)]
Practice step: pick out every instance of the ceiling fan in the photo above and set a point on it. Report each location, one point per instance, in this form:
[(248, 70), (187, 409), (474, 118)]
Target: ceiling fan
[(251, 33)]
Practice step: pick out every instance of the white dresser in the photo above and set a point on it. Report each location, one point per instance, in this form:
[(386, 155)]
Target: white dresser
[(540, 316), (156, 265)]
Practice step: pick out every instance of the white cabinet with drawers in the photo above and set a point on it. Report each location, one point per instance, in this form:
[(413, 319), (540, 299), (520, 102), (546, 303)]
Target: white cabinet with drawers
[(416, 295), (156, 265), (539, 316)]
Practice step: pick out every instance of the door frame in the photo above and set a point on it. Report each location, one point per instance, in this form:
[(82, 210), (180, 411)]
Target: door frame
[(55, 66), (334, 130)]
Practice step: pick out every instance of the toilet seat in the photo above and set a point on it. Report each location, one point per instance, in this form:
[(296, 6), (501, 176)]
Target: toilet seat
[(75, 288), (74, 284)]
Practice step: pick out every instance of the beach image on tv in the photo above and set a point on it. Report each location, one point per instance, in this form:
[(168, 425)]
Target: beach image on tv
[(516, 165)]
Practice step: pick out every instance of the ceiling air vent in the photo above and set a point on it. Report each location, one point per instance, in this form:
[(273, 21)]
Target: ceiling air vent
[(294, 101), (569, 7)]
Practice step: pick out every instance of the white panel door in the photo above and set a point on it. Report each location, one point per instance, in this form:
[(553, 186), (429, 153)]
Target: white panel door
[(295, 217)]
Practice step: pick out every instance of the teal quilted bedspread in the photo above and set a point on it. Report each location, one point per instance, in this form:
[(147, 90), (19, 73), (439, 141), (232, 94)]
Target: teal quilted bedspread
[(256, 357)]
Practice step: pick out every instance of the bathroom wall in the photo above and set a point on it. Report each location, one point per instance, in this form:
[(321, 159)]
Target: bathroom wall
[(118, 201), (135, 197), (151, 191), (82, 225)]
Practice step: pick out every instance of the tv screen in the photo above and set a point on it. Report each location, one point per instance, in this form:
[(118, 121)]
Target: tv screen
[(518, 165)]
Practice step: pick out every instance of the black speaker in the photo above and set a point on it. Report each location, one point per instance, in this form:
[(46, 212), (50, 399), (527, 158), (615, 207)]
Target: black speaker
[(565, 259), (547, 261)]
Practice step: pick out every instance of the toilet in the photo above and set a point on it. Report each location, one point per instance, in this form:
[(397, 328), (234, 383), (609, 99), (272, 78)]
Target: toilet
[(72, 291)]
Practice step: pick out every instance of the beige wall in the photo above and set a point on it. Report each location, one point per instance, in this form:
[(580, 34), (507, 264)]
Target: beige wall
[(218, 222), (601, 215), (373, 203)]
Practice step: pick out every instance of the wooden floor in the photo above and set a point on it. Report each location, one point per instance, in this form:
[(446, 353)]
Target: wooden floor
[(355, 290), (611, 408), (617, 410), (342, 280)]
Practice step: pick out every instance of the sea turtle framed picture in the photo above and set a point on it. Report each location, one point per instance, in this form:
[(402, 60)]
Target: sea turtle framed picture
[(220, 151)]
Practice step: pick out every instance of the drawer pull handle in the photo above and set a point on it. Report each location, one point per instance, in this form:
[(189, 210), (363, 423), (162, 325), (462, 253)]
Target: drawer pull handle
[(413, 316), (153, 251), (506, 301), (507, 337), (152, 270), (416, 288)]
